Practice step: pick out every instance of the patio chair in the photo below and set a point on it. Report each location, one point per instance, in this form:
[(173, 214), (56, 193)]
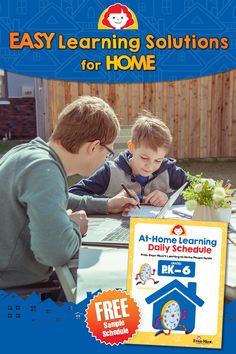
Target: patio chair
[(67, 276)]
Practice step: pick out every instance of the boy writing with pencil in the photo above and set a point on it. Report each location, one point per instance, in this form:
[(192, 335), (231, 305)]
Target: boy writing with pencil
[(143, 168)]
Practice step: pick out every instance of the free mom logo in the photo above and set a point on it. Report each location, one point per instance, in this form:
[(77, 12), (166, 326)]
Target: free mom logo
[(117, 17)]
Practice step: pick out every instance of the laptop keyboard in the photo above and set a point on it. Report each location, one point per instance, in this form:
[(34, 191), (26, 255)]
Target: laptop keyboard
[(119, 234)]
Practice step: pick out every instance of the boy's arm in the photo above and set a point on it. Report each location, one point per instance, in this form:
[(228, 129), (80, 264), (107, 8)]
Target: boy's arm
[(40, 189), (95, 185), (177, 178), (87, 203)]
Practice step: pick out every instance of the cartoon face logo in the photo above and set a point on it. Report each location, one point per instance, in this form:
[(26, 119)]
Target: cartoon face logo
[(178, 230), (117, 17), (119, 20)]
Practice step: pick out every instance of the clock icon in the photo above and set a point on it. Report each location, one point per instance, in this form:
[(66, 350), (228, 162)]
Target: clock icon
[(170, 318), (145, 273), (170, 315)]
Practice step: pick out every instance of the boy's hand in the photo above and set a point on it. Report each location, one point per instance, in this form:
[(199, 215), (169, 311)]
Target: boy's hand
[(156, 198), (80, 218), (120, 202)]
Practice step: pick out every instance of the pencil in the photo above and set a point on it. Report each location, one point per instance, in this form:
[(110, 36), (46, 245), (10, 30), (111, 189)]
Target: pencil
[(128, 192)]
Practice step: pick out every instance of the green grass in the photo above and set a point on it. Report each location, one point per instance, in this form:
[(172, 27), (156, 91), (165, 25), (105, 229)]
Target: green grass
[(213, 168)]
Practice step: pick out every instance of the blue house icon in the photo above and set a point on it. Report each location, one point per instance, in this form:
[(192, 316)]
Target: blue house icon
[(174, 307)]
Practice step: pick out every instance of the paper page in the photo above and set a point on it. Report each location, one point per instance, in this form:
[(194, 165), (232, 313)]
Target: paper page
[(145, 211)]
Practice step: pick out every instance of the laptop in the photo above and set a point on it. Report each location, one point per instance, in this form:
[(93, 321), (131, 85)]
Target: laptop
[(113, 231)]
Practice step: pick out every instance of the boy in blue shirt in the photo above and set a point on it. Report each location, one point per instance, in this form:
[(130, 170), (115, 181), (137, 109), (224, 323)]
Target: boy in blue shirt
[(143, 168)]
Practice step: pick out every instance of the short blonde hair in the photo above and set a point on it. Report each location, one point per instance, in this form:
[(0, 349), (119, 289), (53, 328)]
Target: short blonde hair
[(86, 119), (150, 131)]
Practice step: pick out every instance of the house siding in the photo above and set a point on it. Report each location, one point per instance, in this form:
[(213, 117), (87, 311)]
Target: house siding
[(18, 118)]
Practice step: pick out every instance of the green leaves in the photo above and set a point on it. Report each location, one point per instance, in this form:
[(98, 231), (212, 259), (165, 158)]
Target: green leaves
[(205, 191)]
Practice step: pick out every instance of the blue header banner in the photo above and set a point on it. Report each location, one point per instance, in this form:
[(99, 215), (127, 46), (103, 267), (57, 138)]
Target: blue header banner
[(112, 42)]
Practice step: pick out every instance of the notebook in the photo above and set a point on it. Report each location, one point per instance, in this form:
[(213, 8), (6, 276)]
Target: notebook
[(114, 232)]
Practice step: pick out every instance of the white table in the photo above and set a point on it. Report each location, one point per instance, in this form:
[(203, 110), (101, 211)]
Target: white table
[(101, 268)]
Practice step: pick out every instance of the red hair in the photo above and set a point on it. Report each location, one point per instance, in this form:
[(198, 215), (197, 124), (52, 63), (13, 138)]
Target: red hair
[(178, 227), (116, 9)]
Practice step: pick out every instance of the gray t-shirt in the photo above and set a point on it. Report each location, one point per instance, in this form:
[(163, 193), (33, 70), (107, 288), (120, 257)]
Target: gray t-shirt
[(35, 230)]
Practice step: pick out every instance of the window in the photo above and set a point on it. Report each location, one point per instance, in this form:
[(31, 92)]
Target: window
[(91, 12), (142, 6), (167, 7), (3, 85), (21, 7), (33, 308)]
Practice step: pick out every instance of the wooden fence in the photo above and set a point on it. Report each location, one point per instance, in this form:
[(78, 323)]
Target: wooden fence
[(201, 113)]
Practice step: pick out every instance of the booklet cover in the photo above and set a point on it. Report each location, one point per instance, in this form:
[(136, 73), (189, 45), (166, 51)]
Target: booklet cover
[(176, 274)]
